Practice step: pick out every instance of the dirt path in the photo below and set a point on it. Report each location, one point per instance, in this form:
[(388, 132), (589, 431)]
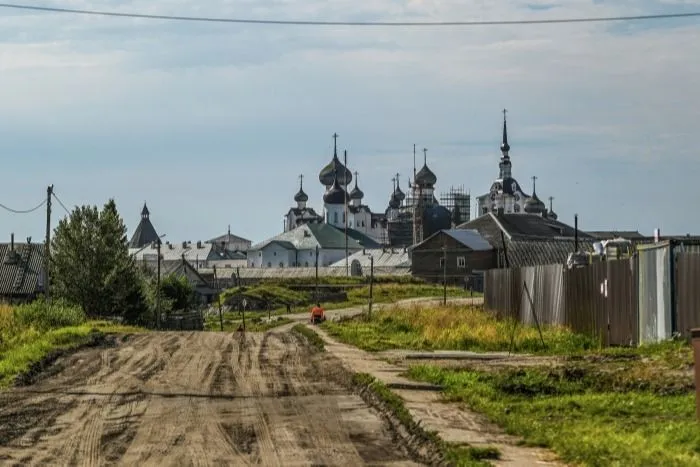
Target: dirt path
[(452, 422), (193, 399)]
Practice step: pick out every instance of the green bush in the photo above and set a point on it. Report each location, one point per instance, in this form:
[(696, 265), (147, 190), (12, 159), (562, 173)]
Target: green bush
[(44, 315)]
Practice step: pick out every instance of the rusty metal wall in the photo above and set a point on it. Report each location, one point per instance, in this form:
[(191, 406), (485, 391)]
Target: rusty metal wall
[(687, 292), (654, 292), (585, 302), (622, 302)]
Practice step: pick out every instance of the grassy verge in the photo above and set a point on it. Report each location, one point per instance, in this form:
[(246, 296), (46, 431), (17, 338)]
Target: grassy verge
[(614, 408), (458, 455), (311, 337), (28, 333), (451, 327), (254, 322)]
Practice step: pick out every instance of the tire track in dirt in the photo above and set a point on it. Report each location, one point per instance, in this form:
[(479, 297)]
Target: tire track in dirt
[(194, 398)]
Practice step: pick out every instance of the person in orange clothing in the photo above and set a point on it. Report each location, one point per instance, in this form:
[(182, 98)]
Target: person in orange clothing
[(317, 314)]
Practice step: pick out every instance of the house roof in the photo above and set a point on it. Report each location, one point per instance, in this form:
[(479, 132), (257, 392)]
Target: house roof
[(228, 238), (183, 269), (491, 225), (325, 236), (383, 257), (523, 251), (610, 234), (192, 252), (20, 273), (469, 238)]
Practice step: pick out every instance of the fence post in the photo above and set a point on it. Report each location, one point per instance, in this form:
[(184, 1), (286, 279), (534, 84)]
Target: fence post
[(695, 336)]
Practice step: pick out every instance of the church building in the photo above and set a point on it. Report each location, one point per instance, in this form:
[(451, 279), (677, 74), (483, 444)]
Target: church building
[(506, 195)]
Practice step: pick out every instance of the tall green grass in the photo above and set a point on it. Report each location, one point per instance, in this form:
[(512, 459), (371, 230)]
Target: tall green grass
[(452, 327)]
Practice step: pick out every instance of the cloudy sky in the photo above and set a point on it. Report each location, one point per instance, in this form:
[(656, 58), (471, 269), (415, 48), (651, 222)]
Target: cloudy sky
[(213, 123)]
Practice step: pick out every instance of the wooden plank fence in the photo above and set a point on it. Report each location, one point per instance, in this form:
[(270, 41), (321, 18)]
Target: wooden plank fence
[(603, 299)]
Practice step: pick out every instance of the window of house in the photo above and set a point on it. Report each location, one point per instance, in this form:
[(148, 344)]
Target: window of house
[(442, 262), (335, 217), (484, 210), (461, 262), (260, 253), (269, 264), (306, 264), (274, 253), (281, 264)]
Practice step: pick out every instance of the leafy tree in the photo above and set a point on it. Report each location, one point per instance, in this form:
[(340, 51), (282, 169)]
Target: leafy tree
[(177, 292), (91, 266)]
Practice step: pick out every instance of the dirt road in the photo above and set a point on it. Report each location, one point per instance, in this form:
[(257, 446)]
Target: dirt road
[(194, 399)]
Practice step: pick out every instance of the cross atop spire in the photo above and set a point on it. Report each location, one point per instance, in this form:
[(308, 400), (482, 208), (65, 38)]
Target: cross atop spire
[(335, 144), (504, 114), (425, 156), (356, 174), (144, 212), (534, 180), (393, 183), (551, 198), (301, 181)]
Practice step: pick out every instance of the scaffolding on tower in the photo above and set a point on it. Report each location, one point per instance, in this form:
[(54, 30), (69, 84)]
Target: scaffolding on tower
[(458, 202)]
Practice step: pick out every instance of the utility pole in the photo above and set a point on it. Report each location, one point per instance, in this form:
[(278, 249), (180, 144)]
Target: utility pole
[(158, 242), (316, 289), (444, 275), (47, 246), (347, 267), (218, 299), (371, 283)]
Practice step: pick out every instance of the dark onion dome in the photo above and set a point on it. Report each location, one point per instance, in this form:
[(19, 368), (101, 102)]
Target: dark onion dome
[(356, 193), (327, 174), (534, 205), (425, 176), (552, 215), (336, 194), (301, 197), (398, 194), (394, 203), (436, 218)]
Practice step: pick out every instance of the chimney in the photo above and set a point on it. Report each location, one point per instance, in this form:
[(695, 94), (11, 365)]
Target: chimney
[(12, 241), (657, 235), (576, 232)]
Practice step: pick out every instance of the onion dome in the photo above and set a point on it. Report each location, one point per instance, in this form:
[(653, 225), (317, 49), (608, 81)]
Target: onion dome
[(551, 214), (356, 193), (534, 205), (301, 197), (336, 194), (425, 176), (394, 203), (328, 173)]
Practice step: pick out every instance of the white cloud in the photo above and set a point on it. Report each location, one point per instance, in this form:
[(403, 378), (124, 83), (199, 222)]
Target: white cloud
[(153, 89)]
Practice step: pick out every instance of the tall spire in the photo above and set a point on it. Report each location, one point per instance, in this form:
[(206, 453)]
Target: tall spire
[(144, 212), (356, 175), (335, 145), (534, 181), (301, 182), (505, 147), (551, 198), (425, 156), (414, 162)]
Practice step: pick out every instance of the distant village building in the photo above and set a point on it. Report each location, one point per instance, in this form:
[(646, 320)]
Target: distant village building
[(506, 194)]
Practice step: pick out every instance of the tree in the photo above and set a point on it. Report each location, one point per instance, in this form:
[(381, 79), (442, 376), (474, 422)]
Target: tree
[(91, 266), (178, 292)]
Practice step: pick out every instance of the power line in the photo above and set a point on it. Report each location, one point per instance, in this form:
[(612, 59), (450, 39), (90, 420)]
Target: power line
[(25, 211), (61, 203), (348, 23)]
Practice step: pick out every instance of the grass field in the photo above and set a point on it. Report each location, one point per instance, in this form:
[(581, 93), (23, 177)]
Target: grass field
[(613, 408), (30, 332), (451, 327)]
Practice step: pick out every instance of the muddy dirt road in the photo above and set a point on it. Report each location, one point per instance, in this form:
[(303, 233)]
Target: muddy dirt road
[(193, 399)]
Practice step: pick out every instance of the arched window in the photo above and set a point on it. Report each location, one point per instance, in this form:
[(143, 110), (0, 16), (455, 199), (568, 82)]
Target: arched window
[(335, 217), (281, 264)]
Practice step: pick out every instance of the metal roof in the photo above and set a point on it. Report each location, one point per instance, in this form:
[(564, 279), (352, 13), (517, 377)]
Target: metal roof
[(21, 268), (192, 251), (325, 236), (469, 238), (383, 257)]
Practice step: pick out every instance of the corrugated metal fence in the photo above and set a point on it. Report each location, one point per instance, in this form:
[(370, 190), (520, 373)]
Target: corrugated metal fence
[(644, 299)]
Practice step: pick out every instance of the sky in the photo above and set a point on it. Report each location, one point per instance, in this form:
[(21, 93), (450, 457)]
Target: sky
[(211, 124)]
